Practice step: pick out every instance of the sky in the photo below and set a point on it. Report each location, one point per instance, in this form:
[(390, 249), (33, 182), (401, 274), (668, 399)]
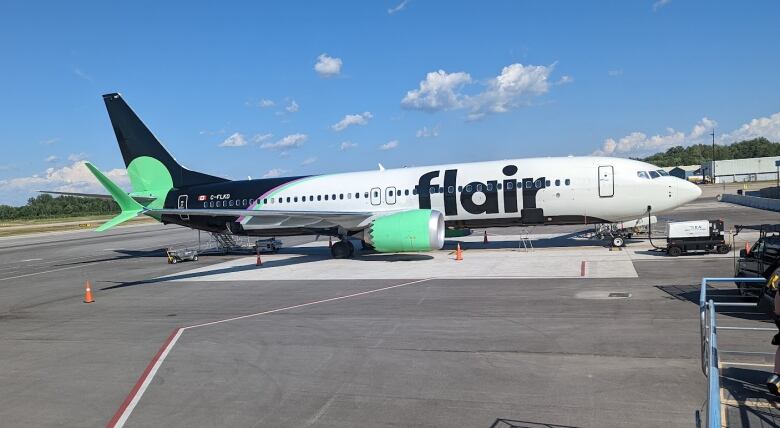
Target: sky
[(265, 89)]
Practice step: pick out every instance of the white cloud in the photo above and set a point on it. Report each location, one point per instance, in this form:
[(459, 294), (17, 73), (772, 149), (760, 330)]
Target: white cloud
[(424, 132), (264, 103), (659, 4), (73, 178), (261, 138), (291, 141), (639, 144), (352, 119), (235, 140), (328, 66), (309, 160), (273, 173), (82, 74), (346, 145), (437, 92), (50, 141), (75, 157), (401, 6), (516, 83), (390, 145), (768, 127), (50, 158), (616, 72), (292, 107)]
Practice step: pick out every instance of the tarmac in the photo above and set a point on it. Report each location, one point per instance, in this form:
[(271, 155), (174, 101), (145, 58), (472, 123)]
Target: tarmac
[(508, 337)]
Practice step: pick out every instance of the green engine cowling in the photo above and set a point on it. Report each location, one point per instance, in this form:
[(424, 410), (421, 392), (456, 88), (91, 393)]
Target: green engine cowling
[(414, 230)]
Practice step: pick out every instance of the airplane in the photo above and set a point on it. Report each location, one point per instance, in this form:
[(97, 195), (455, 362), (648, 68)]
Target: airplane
[(389, 210)]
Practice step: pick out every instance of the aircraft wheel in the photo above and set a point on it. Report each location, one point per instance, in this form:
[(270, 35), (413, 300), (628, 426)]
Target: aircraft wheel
[(618, 241), (342, 250)]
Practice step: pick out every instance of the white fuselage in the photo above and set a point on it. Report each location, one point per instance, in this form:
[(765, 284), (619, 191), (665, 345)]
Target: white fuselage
[(563, 190)]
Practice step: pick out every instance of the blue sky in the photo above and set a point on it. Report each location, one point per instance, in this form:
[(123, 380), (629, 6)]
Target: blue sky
[(297, 88)]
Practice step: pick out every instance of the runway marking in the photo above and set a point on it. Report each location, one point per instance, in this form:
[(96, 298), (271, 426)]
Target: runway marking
[(120, 417), (734, 363), (28, 260), (132, 399)]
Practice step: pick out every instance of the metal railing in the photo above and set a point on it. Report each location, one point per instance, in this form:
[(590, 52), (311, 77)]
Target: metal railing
[(710, 362)]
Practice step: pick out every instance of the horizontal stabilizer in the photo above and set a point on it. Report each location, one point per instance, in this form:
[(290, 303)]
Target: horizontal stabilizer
[(130, 208)]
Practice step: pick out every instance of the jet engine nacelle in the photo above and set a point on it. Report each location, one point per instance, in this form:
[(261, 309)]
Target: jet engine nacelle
[(414, 230)]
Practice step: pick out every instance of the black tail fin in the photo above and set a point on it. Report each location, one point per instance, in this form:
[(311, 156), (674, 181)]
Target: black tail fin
[(137, 142)]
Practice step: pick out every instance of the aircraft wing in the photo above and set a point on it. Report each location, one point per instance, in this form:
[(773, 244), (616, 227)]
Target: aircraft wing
[(268, 219), (140, 199)]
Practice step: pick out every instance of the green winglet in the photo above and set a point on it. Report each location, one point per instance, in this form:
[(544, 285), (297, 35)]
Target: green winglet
[(130, 208)]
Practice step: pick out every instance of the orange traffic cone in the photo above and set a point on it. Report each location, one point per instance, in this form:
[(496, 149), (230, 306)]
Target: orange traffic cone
[(484, 240), (458, 253), (88, 293), (258, 262), (747, 247)]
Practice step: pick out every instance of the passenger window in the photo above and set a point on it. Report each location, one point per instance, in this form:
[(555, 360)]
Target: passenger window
[(219, 204), (319, 197), (528, 184), (509, 185), (406, 192), (326, 197), (642, 174), (288, 199), (654, 174), (468, 188), (357, 195), (460, 188), (547, 183), (451, 189), (489, 187), (479, 187), (365, 195), (414, 191), (231, 203), (265, 201), (397, 193), (432, 190), (498, 186), (389, 192), (333, 196), (205, 205), (341, 196), (557, 182), (244, 201), (376, 194), (211, 204), (567, 182), (538, 184)]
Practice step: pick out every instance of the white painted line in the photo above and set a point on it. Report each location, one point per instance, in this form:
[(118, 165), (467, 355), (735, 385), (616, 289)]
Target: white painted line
[(734, 363), (146, 378), (28, 260), (332, 299), (137, 392)]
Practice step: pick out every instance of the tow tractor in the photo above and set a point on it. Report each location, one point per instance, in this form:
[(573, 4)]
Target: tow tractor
[(700, 235)]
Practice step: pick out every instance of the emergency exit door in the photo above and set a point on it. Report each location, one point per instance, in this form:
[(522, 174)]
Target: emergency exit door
[(606, 181)]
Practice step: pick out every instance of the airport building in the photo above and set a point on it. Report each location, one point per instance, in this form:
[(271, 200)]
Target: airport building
[(739, 170), (685, 171)]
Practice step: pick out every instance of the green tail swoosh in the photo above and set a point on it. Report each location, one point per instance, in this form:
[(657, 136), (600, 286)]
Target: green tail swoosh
[(130, 208)]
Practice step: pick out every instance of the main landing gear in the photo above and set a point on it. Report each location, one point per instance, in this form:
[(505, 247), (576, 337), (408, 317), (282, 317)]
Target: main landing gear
[(342, 249)]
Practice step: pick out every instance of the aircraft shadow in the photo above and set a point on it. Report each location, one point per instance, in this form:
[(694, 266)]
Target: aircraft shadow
[(509, 423)]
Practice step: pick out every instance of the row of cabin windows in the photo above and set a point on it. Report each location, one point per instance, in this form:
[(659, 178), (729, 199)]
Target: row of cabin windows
[(390, 192)]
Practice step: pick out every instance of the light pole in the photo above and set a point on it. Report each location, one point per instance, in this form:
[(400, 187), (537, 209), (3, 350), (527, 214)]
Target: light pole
[(712, 166)]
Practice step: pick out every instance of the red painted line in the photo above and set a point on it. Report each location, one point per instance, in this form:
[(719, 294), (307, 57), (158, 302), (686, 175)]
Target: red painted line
[(137, 387), (582, 268)]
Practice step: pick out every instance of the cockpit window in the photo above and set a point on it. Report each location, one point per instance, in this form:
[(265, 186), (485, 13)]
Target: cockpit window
[(642, 174), (662, 172), (654, 174)]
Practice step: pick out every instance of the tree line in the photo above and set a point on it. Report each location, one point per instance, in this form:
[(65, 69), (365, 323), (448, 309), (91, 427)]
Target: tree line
[(700, 153), (47, 206)]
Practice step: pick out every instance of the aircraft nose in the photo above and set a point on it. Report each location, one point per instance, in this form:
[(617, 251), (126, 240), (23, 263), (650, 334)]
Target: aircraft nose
[(687, 191)]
